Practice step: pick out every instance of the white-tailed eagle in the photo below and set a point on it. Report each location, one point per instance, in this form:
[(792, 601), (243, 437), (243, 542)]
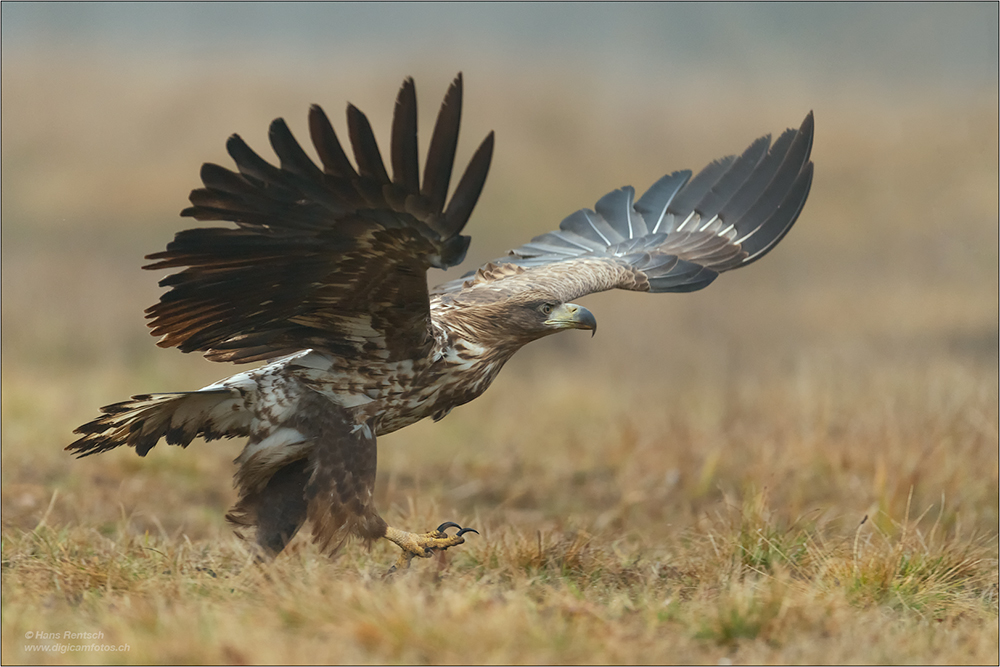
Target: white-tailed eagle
[(323, 277)]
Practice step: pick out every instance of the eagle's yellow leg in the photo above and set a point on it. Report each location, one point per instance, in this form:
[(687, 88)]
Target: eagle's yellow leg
[(423, 546)]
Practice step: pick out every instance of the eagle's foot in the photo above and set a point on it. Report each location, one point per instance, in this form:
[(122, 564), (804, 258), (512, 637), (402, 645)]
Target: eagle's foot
[(424, 546)]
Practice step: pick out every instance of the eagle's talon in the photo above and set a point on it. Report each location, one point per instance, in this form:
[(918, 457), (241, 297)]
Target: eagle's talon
[(415, 545)]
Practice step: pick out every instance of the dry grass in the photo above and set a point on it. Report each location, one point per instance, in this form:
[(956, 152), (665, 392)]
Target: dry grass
[(688, 486)]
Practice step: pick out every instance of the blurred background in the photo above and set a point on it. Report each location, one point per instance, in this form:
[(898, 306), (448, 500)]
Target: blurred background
[(853, 366)]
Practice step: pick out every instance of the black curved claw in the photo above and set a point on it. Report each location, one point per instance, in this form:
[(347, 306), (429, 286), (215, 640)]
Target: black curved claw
[(446, 525), (463, 531)]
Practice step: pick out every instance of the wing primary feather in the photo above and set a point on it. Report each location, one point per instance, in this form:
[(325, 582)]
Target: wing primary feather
[(366, 152), (592, 221), (466, 194), (782, 181), (205, 198), (614, 207), (309, 179), (637, 223), (591, 225), (405, 168), (252, 165), (653, 204), (441, 152), (290, 153), (331, 154), (781, 221), (220, 179), (697, 187), (756, 183), (730, 182)]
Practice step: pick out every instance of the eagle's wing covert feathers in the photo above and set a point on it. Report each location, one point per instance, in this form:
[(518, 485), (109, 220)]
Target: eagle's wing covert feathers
[(678, 236), (332, 259)]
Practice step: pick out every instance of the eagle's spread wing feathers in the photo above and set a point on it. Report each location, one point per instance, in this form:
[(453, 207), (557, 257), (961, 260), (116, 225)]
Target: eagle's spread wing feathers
[(332, 259), (677, 237)]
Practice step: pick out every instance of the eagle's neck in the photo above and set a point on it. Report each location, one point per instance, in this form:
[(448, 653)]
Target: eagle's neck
[(468, 354), (483, 325), (470, 357), (477, 347)]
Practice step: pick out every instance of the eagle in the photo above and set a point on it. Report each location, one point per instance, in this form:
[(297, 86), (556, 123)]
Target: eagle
[(324, 278)]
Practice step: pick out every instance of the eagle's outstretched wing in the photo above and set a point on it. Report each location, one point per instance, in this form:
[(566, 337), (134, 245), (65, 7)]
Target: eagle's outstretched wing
[(332, 259), (678, 237)]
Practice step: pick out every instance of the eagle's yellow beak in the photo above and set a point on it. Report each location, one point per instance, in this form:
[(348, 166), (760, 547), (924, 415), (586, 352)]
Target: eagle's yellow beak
[(572, 316)]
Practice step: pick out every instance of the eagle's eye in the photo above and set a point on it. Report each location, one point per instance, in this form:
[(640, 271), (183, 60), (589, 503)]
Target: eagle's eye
[(545, 308)]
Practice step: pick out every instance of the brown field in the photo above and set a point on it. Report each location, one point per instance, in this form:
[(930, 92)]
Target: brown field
[(798, 464)]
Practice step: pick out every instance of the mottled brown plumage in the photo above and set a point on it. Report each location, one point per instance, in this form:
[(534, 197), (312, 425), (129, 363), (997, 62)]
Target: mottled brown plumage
[(324, 278)]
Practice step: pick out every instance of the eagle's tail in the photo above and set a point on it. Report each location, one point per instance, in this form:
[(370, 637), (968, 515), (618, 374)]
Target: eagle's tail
[(213, 412)]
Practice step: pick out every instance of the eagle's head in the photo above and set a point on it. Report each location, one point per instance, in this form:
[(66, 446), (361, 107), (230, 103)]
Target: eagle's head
[(534, 318), (508, 320)]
